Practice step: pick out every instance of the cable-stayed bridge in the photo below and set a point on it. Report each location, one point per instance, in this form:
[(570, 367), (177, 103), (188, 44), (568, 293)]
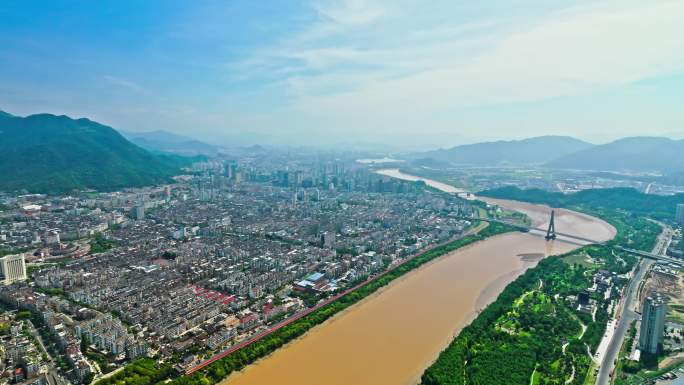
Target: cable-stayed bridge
[(551, 234)]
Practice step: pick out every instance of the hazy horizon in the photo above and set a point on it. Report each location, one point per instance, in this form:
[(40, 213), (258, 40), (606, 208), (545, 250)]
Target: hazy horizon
[(404, 74)]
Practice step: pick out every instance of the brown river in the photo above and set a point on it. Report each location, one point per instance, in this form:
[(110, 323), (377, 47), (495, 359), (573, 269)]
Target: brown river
[(390, 337)]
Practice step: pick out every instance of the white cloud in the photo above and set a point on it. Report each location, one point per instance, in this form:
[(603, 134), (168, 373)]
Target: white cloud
[(570, 52), (367, 79), (124, 83), (353, 37), (392, 67), (350, 12)]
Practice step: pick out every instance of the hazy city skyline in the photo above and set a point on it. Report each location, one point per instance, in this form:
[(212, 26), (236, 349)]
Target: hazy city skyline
[(399, 72)]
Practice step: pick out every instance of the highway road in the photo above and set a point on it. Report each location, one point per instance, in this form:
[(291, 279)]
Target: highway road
[(628, 314)]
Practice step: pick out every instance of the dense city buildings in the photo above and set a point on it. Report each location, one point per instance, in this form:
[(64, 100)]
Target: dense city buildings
[(228, 250), (184, 271)]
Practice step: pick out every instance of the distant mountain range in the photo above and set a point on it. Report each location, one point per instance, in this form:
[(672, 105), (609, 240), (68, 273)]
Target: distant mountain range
[(628, 154), (163, 141), (640, 154), (49, 153), (532, 151)]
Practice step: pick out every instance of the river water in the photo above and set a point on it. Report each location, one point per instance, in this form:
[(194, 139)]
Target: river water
[(390, 337)]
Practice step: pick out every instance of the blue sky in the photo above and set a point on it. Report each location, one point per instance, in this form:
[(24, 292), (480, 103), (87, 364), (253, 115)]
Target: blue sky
[(403, 72)]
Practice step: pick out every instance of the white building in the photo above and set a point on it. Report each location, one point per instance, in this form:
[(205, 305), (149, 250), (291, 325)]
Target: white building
[(51, 237), (13, 268)]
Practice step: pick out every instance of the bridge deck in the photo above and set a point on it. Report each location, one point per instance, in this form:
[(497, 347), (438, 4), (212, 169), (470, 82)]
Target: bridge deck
[(584, 239)]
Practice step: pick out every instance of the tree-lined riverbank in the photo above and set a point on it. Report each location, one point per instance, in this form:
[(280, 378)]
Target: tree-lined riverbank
[(533, 333), (391, 338)]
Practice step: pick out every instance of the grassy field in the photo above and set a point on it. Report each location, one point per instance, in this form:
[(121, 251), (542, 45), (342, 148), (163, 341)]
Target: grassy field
[(645, 376), (591, 375), (579, 259)]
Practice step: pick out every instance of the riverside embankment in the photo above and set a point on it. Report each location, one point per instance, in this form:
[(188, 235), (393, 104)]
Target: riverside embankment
[(391, 336)]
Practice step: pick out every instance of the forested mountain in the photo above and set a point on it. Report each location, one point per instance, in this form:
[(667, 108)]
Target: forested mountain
[(538, 150), (49, 153), (635, 154), (621, 199)]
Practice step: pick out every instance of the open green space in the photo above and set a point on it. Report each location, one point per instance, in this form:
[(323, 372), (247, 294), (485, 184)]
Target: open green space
[(100, 244), (520, 337), (613, 199), (144, 371), (644, 376)]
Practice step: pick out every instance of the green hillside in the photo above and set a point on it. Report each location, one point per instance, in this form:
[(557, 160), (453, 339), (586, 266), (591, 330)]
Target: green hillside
[(626, 199), (49, 153)]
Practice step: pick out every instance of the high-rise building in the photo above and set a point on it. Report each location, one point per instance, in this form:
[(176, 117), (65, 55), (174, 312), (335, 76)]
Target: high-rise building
[(328, 239), (652, 324), (139, 212), (679, 215), (283, 178), (12, 268), (231, 169)]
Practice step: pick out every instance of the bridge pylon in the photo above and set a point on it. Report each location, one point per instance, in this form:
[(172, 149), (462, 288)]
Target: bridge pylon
[(551, 231)]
